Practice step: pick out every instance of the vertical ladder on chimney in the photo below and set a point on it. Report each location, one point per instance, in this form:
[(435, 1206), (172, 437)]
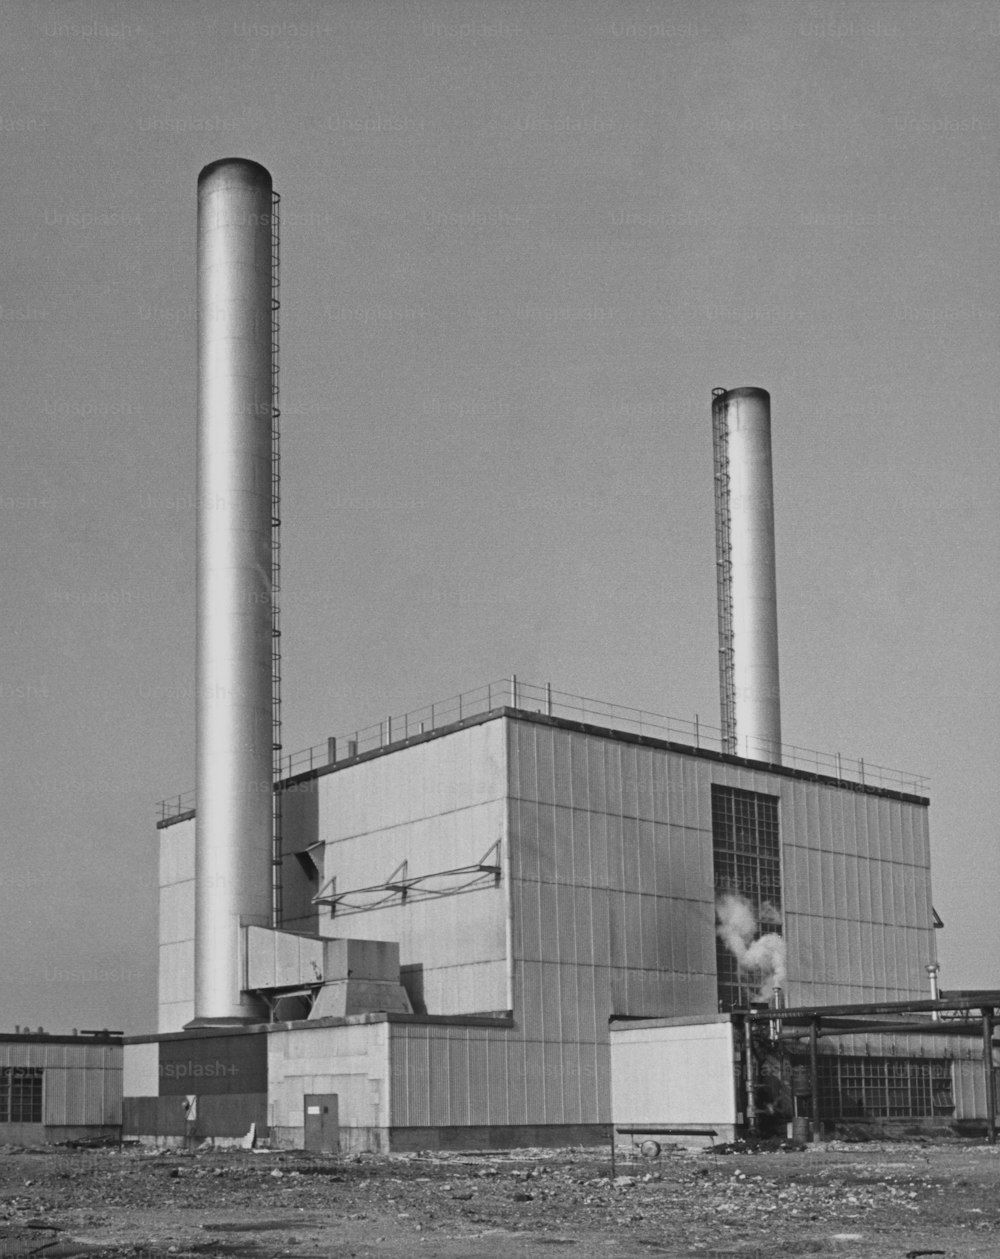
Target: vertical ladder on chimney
[(724, 570), (276, 841)]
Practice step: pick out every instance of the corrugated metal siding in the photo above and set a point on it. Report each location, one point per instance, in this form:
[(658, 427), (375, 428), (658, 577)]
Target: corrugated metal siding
[(454, 1076), (280, 959), (856, 895), (969, 1083), (614, 889), (613, 898), (611, 854), (85, 1055), (438, 805), (428, 780), (613, 906), (83, 1082), (54, 1096)]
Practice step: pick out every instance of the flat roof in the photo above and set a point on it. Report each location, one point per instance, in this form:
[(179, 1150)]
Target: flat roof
[(579, 727), (330, 1020), (58, 1038)]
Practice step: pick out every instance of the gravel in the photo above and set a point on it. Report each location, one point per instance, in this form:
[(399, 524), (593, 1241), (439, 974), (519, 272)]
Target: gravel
[(876, 1199)]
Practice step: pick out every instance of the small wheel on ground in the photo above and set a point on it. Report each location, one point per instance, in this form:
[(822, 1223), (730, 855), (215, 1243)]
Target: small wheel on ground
[(650, 1149)]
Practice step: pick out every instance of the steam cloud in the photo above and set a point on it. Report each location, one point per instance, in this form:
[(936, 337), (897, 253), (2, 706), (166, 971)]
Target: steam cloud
[(765, 955)]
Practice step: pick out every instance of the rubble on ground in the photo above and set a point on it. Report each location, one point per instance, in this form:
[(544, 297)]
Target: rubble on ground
[(879, 1199)]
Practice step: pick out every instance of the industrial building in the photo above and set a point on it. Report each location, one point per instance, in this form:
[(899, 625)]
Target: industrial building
[(540, 876), (492, 922), (59, 1088)]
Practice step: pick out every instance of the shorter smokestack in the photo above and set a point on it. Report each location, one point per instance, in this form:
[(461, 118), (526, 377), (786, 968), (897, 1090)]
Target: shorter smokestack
[(776, 1002), (933, 969), (747, 591)]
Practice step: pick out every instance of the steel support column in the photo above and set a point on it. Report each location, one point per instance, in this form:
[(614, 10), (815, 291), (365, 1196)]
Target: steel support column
[(991, 1107)]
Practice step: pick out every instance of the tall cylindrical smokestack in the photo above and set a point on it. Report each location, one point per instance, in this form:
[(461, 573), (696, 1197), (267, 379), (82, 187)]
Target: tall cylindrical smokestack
[(234, 730), (748, 606)]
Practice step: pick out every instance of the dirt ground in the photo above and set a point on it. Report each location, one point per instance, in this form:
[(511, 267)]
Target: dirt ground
[(875, 1199)]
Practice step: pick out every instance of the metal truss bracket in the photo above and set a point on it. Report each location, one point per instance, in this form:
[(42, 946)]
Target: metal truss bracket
[(404, 886)]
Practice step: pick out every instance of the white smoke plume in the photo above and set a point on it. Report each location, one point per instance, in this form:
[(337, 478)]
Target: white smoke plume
[(764, 955)]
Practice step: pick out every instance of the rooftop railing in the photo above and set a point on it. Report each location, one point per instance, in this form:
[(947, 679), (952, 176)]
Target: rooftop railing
[(512, 692)]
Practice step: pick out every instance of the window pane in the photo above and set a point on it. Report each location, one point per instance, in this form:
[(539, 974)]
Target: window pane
[(854, 1087), (21, 1094), (747, 862)]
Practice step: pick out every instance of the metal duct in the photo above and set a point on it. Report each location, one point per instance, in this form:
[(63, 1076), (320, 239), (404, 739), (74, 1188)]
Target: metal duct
[(748, 606), (234, 585)]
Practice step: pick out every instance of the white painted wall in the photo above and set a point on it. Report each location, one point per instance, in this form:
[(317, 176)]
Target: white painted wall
[(176, 908), (141, 1070), (674, 1073), (439, 806), (351, 1061)]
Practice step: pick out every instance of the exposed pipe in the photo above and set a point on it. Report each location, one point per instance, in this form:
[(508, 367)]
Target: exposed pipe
[(776, 1002), (814, 1076), (932, 969), (751, 1078), (508, 919)]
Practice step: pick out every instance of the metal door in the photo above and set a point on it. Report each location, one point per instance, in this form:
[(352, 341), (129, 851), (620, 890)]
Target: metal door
[(322, 1125)]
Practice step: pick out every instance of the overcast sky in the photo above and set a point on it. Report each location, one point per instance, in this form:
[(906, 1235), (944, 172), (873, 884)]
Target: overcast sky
[(521, 243)]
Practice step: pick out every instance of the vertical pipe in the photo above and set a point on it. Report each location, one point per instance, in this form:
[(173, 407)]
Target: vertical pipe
[(508, 919), (747, 583), (548, 699), (814, 1076), (234, 583), (932, 969), (991, 1104), (776, 1002), (751, 1077), (331, 750)]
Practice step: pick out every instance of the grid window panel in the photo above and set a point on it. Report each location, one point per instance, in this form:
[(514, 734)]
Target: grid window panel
[(21, 1094), (746, 853), (856, 1087)]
